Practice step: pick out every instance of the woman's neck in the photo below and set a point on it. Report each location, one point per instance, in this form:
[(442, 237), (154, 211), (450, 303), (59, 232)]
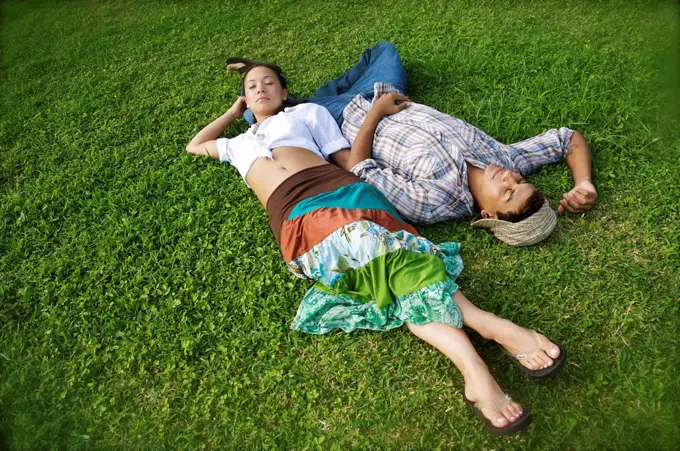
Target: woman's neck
[(264, 118), (260, 120)]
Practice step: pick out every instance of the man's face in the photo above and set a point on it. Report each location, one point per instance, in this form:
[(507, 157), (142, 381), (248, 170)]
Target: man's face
[(502, 191), (264, 93)]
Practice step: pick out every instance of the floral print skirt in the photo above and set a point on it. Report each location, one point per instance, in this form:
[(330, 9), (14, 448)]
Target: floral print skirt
[(372, 270)]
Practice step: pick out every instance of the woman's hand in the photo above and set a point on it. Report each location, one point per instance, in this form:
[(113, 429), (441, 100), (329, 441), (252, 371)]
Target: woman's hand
[(387, 104), (239, 106)]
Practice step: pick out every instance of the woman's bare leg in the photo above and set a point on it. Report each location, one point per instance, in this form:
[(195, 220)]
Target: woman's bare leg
[(514, 338), (479, 383)]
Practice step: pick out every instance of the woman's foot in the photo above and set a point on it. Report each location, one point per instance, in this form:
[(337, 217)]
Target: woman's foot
[(481, 387), (532, 350), (516, 340)]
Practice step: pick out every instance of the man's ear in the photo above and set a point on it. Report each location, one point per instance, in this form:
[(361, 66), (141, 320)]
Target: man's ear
[(285, 95), (487, 215)]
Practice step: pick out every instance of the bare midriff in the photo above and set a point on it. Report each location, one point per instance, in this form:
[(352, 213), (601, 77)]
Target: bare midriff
[(265, 174)]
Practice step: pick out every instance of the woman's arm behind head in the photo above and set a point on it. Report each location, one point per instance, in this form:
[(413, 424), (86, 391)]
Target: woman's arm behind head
[(205, 149), (204, 143)]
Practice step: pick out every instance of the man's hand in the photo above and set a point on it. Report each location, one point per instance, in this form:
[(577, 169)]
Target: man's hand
[(387, 104), (239, 106), (581, 198), (363, 143)]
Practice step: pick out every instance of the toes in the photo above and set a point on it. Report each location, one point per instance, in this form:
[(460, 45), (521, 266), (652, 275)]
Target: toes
[(509, 414), (555, 352), (538, 362), (550, 348), (550, 351), (498, 420), (512, 412), (544, 361), (518, 410)]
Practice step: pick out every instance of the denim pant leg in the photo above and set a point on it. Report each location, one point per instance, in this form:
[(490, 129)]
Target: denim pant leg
[(380, 63)]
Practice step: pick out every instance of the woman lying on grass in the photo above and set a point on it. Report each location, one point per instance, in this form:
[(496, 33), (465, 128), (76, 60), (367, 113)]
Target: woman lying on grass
[(372, 269)]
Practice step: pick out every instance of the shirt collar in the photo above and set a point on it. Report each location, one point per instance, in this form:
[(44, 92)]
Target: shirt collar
[(255, 127)]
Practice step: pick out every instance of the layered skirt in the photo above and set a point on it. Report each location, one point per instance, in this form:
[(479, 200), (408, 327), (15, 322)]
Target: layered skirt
[(372, 270)]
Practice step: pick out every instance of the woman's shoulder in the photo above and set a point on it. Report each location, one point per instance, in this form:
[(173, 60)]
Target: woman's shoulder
[(310, 112), (304, 108)]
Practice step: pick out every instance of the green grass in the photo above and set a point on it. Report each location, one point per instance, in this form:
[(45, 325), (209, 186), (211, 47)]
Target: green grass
[(143, 301)]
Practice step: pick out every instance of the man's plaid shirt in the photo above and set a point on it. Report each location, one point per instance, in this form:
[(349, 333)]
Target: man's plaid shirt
[(420, 154)]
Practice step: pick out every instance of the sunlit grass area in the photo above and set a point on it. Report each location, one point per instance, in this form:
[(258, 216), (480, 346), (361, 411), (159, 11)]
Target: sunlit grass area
[(144, 303)]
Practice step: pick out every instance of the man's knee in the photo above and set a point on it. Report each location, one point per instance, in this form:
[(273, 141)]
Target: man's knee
[(385, 46)]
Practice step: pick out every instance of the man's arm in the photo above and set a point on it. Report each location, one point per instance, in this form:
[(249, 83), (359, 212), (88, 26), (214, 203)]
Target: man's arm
[(582, 197), (363, 143), (340, 158)]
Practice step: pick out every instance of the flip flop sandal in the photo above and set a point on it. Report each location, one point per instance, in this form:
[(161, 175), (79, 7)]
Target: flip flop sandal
[(520, 424), (550, 371)]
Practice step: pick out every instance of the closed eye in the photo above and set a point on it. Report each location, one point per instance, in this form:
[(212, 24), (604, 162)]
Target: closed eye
[(512, 191)]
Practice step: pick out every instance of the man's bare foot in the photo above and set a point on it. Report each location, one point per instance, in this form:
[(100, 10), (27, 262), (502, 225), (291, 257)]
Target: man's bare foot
[(480, 386), (234, 67), (518, 340)]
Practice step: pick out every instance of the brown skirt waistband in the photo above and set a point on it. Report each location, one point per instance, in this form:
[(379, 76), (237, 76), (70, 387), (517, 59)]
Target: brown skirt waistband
[(300, 186)]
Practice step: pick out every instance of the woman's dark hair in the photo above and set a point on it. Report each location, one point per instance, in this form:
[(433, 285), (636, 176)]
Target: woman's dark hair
[(276, 69), (531, 206)]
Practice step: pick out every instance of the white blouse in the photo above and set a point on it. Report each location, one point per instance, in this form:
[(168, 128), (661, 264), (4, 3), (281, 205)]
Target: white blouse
[(308, 125)]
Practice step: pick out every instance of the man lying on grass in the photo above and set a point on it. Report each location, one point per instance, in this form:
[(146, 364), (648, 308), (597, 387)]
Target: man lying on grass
[(372, 269), (434, 167)]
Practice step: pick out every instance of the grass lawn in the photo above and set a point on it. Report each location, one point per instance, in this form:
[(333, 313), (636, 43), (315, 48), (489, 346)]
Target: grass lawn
[(143, 300)]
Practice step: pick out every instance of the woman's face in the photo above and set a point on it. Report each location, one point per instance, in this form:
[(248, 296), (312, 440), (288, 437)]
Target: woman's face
[(264, 93)]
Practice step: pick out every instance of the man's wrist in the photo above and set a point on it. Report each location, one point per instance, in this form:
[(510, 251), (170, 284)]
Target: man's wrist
[(373, 116)]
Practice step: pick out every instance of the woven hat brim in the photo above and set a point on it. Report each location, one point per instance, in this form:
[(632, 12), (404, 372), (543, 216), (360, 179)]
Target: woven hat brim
[(529, 231)]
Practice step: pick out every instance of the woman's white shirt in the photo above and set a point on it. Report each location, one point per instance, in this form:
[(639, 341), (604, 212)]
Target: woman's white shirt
[(308, 125)]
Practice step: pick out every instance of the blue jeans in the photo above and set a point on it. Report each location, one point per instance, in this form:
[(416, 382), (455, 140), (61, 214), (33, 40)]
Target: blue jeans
[(378, 63)]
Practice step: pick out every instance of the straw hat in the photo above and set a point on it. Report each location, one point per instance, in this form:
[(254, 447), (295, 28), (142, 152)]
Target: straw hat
[(529, 231)]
